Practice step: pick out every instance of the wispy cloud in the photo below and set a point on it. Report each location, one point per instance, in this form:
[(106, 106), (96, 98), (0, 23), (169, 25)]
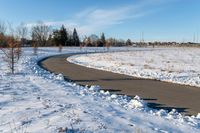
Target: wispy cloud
[(92, 20)]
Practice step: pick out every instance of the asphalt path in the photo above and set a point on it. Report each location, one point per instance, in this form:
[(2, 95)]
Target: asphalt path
[(158, 95)]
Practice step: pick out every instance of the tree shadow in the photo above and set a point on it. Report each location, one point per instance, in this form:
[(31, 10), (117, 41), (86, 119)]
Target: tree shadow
[(112, 90), (159, 106), (84, 80), (115, 79), (155, 105), (149, 99), (124, 79)]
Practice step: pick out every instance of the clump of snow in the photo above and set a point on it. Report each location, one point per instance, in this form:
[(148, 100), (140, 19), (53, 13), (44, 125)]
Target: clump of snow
[(59, 77), (94, 88), (161, 112), (105, 93), (198, 116), (113, 96), (136, 102)]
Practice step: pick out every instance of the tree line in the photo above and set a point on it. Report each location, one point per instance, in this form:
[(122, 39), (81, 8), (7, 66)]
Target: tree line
[(41, 35)]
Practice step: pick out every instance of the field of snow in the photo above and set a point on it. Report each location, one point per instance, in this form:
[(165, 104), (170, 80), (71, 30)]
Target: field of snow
[(37, 101), (178, 65)]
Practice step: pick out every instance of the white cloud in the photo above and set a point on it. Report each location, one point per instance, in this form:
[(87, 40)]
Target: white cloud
[(92, 20)]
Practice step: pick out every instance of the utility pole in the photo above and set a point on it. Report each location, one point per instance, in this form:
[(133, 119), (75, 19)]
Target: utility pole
[(143, 37), (194, 38)]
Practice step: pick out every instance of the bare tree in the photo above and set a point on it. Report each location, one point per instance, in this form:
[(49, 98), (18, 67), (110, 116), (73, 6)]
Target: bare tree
[(3, 27), (11, 51), (22, 32), (81, 46), (109, 42), (40, 34), (35, 48), (60, 47), (10, 47), (128, 42)]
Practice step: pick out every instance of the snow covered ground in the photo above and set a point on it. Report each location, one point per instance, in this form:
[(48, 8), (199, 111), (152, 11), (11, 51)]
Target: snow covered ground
[(178, 65), (37, 101)]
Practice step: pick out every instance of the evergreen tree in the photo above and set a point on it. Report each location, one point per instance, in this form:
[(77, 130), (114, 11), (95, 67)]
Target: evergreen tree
[(103, 39), (64, 37), (128, 42), (76, 41), (99, 43), (70, 41), (56, 38)]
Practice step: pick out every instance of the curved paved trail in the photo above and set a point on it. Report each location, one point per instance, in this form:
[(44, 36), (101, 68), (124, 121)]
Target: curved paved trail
[(185, 99)]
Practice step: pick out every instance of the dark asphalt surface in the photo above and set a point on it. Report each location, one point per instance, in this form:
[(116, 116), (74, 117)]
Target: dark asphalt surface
[(159, 95)]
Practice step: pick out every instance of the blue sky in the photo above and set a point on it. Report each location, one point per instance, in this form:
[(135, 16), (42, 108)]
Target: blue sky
[(164, 20)]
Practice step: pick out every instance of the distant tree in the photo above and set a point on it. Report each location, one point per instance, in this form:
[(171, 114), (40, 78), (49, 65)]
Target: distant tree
[(81, 46), (3, 27), (64, 37), (56, 38), (40, 34), (114, 42), (84, 41), (93, 38), (109, 43), (128, 42), (35, 48), (76, 40), (60, 47), (22, 32), (50, 40), (3, 42), (70, 41), (121, 42), (102, 40), (99, 43), (88, 42)]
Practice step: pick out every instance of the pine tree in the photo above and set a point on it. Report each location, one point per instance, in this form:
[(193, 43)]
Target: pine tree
[(64, 38), (128, 42), (56, 38), (70, 41), (76, 41), (103, 39)]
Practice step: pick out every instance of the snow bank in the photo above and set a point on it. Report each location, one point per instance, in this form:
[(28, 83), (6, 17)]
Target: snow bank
[(35, 100)]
